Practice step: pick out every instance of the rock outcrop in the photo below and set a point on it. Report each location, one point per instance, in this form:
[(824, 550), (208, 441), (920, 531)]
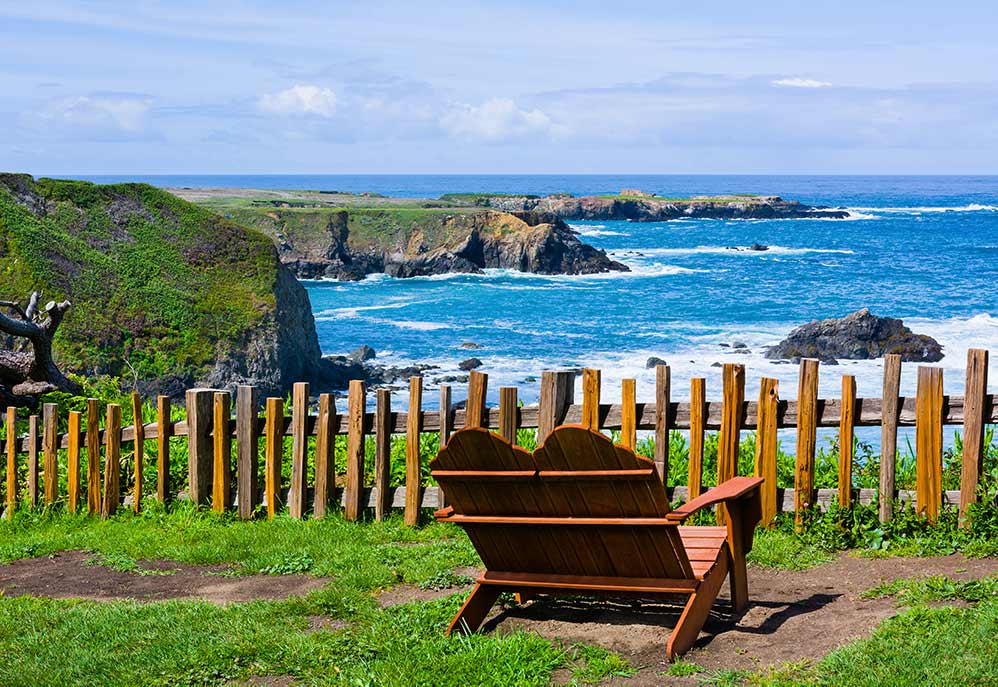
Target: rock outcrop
[(350, 244), (859, 336), (646, 208)]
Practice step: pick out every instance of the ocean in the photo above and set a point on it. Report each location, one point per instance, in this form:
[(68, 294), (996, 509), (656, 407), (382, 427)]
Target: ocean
[(922, 248)]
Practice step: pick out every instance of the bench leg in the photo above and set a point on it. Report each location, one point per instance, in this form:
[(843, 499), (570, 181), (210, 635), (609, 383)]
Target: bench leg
[(524, 597), (474, 610), (697, 611)]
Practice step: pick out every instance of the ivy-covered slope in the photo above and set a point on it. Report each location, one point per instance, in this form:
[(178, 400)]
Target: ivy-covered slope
[(161, 288)]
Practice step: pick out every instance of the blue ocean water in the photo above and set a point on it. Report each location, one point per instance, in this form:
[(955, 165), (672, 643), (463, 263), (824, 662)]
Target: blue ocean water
[(921, 248)]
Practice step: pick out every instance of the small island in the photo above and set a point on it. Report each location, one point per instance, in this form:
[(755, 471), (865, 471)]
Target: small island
[(347, 236)]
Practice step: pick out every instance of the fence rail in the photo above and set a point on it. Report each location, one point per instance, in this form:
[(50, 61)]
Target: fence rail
[(215, 479)]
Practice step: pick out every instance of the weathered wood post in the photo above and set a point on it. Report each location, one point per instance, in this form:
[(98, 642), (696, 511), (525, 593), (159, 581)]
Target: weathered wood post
[(590, 398), (383, 426), (112, 461), (976, 410), (807, 425), (274, 454), (247, 449), (476, 414), (221, 480), (11, 461), (846, 422), (732, 418), (698, 420), (890, 413), (94, 500), (663, 420), (446, 426), (139, 447), (299, 450), (929, 441), (200, 447), (73, 461), (164, 430), (50, 449), (33, 460), (325, 455), (557, 394), (413, 425), (355, 450), (508, 413), (765, 446), (628, 413)]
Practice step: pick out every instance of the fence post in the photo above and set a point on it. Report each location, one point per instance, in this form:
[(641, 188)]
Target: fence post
[(11, 461), (383, 426), (765, 447), (413, 425), (890, 412), (73, 461), (507, 413), (50, 449), (94, 500), (33, 460), (221, 495), (975, 410), (846, 422), (929, 441), (139, 448), (628, 413), (663, 389), (164, 429), (475, 412), (199, 444), (273, 454), (698, 412), (732, 412), (325, 455), (112, 461), (247, 449), (807, 421), (590, 398), (355, 449), (446, 426), (557, 393), (299, 450)]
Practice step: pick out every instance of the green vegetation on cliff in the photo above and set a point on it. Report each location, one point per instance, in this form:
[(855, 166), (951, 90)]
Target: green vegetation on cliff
[(161, 288)]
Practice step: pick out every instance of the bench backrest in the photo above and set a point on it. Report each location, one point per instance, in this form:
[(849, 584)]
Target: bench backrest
[(539, 503)]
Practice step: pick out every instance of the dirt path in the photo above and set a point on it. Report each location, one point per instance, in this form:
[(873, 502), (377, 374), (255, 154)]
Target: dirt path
[(67, 575), (793, 616)]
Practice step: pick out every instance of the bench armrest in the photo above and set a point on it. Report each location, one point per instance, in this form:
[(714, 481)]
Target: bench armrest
[(732, 490), (444, 513)]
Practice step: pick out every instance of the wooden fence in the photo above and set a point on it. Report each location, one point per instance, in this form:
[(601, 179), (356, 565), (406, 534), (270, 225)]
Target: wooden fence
[(211, 426)]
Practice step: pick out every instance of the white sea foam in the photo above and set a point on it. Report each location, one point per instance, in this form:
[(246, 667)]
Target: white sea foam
[(919, 209), (347, 313), (726, 250), (416, 325), (596, 230)]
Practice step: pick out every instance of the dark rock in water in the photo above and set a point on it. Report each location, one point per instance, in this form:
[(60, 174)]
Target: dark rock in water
[(529, 380), (724, 345), (469, 364), (471, 345), (446, 379), (716, 365), (741, 351), (362, 354), (859, 336), (758, 247), (654, 361), (829, 361), (738, 344)]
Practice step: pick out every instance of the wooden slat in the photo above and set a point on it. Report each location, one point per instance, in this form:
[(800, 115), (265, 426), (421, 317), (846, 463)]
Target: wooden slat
[(663, 419), (590, 398), (32, 460), (221, 480), (975, 411), (628, 414), (112, 461), (73, 461), (164, 428), (325, 455), (765, 447), (247, 449), (695, 478), (846, 439), (929, 441), (273, 454), (890, 407), (299, 449), (138, 450), (807, 422), (11, 461), (507, 413), (383, 452), (200, 449), (355, 450), (412, 467), (446, 426), (94, 499), (50, 440), (476, 414)]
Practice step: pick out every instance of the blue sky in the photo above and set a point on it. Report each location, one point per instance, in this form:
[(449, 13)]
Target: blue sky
[(504, 87)]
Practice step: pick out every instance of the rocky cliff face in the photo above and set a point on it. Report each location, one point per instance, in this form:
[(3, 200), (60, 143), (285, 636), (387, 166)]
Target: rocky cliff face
[(349, 244), (645, 208), (162, 290), (858, 336)]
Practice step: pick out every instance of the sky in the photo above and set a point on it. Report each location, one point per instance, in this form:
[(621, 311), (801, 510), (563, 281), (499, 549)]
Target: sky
[(873, 87)]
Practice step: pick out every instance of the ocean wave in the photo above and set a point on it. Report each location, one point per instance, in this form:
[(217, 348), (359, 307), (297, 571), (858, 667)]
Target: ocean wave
[(919, 209), (727, 250), (415, 325), (596, 230), (354, 311)]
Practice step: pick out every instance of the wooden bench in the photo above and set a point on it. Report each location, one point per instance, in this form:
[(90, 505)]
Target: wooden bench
[(582, 516)]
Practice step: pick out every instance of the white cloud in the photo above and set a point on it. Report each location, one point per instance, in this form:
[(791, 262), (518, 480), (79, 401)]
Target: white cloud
[(798, 82), (495, 119), (301, 99), (123, 112)]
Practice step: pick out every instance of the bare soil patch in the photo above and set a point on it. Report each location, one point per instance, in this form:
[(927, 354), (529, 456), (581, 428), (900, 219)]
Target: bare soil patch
[(792, 616), (67, 575)]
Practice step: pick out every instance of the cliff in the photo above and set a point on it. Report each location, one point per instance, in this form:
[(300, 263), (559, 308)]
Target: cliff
[(349, 243), (162, 290), (639, 206)]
